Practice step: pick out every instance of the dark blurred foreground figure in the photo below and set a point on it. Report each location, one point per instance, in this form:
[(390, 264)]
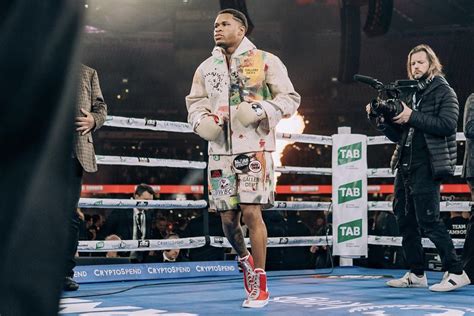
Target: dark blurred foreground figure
[(38, 44)]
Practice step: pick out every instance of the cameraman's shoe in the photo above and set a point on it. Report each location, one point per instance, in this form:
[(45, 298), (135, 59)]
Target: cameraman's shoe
[(69, 284), (451, 282), (409, 280)]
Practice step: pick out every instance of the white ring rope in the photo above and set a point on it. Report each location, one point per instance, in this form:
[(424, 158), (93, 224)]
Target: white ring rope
[(222, 242), (397, 241), (387, 172), (182, 127), (149, 162), (153, 125), (192, 242), (304, 170), (175, 163), (140, 245), (380, 140), (142, 204), (380, 173), (196, 242), (445, 206), (306, 138), (300, 206)]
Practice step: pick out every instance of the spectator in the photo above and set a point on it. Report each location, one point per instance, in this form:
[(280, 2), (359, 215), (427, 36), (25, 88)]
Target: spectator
[(95, 228), (82, 225), (320, 256), (160, 228), (276, 227), (296, 257), (168, 255), (320, 226), (385, 224), (180, 227), (195, 229), (112, 254), (132, 224), (172, 255)]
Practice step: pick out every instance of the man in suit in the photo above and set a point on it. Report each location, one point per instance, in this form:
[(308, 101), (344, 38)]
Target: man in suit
[(91, 112), (38, 50), (133, 225), (468, 173)]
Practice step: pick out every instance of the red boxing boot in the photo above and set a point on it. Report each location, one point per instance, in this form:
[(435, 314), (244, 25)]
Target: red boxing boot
[(259, 295), (247, 266)]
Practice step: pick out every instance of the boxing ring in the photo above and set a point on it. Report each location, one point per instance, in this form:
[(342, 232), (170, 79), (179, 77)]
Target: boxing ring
[(216, 287)]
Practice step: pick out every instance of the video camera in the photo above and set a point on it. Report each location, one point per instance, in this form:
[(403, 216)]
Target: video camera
[(388, 104)]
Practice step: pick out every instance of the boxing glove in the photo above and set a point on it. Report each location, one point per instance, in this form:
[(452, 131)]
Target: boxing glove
[(250, 113), (209, 127)]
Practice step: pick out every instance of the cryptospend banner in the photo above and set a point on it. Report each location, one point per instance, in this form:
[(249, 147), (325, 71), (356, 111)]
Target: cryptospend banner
[(156, 271)]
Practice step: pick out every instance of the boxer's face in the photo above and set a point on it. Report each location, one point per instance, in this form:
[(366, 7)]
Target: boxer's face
[(227, 31)]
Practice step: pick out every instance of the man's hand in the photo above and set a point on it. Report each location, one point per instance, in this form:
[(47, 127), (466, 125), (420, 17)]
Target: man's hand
[(403, 117), (85, 123)]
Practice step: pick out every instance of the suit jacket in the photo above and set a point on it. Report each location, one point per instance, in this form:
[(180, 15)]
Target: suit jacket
[(120, 222), (89, 98), (468, 165)]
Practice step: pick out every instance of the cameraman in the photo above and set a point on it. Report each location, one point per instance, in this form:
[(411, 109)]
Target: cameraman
[(425, 133)]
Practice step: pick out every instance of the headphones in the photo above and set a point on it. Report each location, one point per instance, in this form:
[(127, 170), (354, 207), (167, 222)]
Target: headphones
[(423, 84)]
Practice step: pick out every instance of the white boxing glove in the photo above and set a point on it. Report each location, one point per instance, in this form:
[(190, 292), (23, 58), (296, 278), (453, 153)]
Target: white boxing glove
[(250, 113), (209, 127)]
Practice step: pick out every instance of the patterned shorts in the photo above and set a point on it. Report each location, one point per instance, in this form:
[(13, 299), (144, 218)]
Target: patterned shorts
[(243, 178)]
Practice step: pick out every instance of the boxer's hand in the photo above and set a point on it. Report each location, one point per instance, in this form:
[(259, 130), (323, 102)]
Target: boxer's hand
[(209, 127), (250, 113)]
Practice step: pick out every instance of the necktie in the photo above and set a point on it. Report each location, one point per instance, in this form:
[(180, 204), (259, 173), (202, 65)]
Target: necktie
[(139, 225)]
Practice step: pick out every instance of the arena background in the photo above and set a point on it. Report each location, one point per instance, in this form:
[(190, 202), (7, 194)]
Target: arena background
[(146, 53)]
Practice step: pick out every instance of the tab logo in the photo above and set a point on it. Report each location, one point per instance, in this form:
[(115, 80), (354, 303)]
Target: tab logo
[(349, 191), (349, 153), (350, 230)]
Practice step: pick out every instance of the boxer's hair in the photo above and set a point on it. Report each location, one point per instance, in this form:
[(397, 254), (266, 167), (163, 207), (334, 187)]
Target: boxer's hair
[(237, 15)]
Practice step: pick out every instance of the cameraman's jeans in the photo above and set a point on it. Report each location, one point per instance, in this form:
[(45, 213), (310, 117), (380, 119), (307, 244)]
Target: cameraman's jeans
[(416, 206)]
